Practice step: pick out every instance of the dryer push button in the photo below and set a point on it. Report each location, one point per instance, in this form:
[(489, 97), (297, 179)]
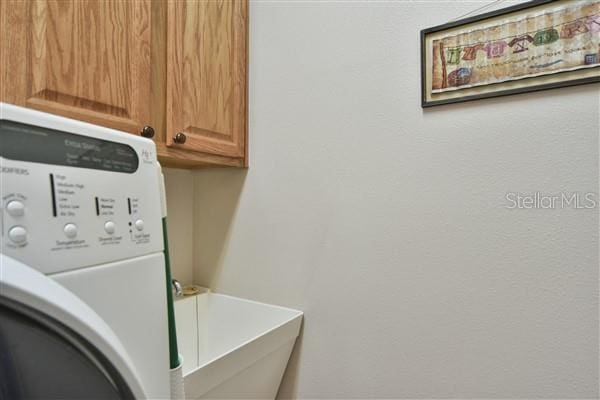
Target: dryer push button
[(17, 234), (70, 230), (109, 227), (15, 208)]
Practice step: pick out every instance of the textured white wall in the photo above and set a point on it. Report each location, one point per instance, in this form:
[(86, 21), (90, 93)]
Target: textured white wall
[(385, 222)]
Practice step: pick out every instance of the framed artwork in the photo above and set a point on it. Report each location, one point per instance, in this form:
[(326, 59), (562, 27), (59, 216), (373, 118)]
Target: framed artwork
[(538, 45)]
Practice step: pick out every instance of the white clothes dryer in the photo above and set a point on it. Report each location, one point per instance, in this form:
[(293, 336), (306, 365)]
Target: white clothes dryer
[(83, 307)]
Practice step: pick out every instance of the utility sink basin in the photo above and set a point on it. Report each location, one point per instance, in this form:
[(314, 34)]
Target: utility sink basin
[(232, 347)]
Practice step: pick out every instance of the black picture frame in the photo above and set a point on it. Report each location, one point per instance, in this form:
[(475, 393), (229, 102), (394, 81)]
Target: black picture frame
[(425, 103)]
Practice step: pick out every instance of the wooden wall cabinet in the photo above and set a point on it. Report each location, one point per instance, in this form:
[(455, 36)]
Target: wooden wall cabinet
[(177, 66)]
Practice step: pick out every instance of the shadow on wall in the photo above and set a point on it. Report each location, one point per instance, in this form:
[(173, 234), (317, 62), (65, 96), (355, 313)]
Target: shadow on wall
[(180, 203), (216, 194)]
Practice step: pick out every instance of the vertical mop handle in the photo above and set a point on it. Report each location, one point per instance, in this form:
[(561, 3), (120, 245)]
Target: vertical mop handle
[(173, 351)]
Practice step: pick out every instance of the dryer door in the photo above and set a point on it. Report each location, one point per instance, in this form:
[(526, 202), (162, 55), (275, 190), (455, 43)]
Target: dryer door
[(53, 346)]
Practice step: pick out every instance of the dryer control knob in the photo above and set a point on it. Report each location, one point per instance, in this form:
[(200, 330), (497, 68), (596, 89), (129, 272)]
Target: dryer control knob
[(18, 234), (139, 225), (15, 208), (109, 227), (70, 230)]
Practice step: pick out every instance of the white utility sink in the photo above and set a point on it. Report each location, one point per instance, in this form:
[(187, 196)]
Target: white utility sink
[(232, 347)]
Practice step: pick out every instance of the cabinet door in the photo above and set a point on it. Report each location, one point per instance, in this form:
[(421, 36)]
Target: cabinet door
[(84, 59), (206, 76)]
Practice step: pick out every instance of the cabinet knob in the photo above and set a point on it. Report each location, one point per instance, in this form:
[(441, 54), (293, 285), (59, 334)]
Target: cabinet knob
[(179, 138), (147, 132)]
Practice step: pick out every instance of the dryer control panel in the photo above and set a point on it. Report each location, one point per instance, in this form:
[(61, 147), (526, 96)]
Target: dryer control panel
[(73, 194)]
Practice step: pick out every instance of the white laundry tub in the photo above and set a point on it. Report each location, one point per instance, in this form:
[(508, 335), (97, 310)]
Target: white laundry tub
[(233, 348)]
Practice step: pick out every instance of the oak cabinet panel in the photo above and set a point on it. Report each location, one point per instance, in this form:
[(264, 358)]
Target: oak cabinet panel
[(206, 81), (88, 60)]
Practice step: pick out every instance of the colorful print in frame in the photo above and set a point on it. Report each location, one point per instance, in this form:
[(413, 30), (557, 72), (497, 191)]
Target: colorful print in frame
[(542, 44)]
